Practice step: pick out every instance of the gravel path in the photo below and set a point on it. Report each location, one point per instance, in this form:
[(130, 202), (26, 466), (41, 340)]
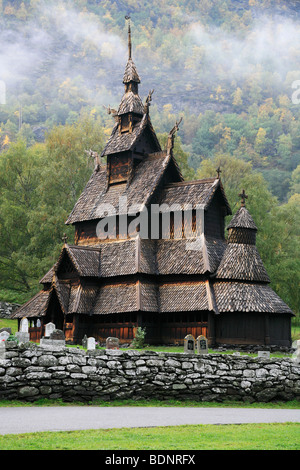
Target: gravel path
[(16, 420)]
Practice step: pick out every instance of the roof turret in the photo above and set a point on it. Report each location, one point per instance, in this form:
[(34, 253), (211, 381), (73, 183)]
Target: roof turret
[(241, 259)]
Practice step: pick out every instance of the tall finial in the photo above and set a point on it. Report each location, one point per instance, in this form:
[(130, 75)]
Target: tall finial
[(244, 196), (129, 36), (219, 171)]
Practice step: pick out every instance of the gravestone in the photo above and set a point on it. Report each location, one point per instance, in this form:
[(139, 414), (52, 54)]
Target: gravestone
[(4, 335), (264, 354), (112, 343), (189, 344), (22, 337), (5, 329), (84, 342), (49, 328), (296, 356), (57, 335), (38, 323), (24, 325), (91, 343), (202, 345), (54, 339)]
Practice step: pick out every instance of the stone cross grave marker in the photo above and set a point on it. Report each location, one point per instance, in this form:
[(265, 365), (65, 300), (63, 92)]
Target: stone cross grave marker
[(112, 343), (189, 344), (91, 343), (202, 345), (49, 328)]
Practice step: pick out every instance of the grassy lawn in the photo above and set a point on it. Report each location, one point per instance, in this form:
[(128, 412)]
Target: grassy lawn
[(7, 323), (197, 437), (157, 403)]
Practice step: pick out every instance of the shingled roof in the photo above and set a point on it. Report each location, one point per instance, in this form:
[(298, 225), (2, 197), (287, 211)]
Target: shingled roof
[(35, 307), (151, 297), (147, 176), (242, 219), (196, 193), (131, 103), (241, 259), (242, 262), (130, 73), (86, 260), (247, 297), (121, 142)]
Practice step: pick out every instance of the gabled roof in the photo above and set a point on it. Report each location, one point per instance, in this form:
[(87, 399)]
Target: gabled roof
[(184, 256), (147, 176), (85, 260), (127, 140), (48, 277), (82, 299), (35, 307), (197, 193)]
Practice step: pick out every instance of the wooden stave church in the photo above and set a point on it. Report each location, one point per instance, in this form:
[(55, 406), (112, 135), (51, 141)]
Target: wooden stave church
[(109, 287)]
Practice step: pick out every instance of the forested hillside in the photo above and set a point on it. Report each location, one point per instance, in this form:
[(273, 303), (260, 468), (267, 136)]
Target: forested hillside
[(229, 68)]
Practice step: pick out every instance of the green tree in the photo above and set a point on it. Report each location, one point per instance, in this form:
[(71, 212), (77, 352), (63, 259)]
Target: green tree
[(20, 169)]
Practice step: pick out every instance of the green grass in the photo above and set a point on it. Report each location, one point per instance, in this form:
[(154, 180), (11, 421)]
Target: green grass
[(7, 323), (197, 437), (157, 403)]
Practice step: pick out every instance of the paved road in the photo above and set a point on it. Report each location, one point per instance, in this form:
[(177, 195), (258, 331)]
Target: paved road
[(36, 419)]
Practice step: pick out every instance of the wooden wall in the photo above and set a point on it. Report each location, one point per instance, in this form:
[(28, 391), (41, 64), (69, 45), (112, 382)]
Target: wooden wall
[(253, 328), (214, 224), (160, 328)]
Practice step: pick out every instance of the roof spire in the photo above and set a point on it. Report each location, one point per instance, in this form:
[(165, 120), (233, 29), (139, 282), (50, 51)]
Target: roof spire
[(244, 196), (129, 37)]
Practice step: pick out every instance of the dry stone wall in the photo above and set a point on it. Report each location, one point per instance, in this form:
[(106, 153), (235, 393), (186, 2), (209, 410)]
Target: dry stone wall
[(29, 372), (6, 309)]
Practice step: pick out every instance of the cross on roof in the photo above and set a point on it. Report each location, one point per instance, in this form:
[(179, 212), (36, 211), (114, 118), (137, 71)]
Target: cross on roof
[(219, 171), (244, 196), (64, 238)]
